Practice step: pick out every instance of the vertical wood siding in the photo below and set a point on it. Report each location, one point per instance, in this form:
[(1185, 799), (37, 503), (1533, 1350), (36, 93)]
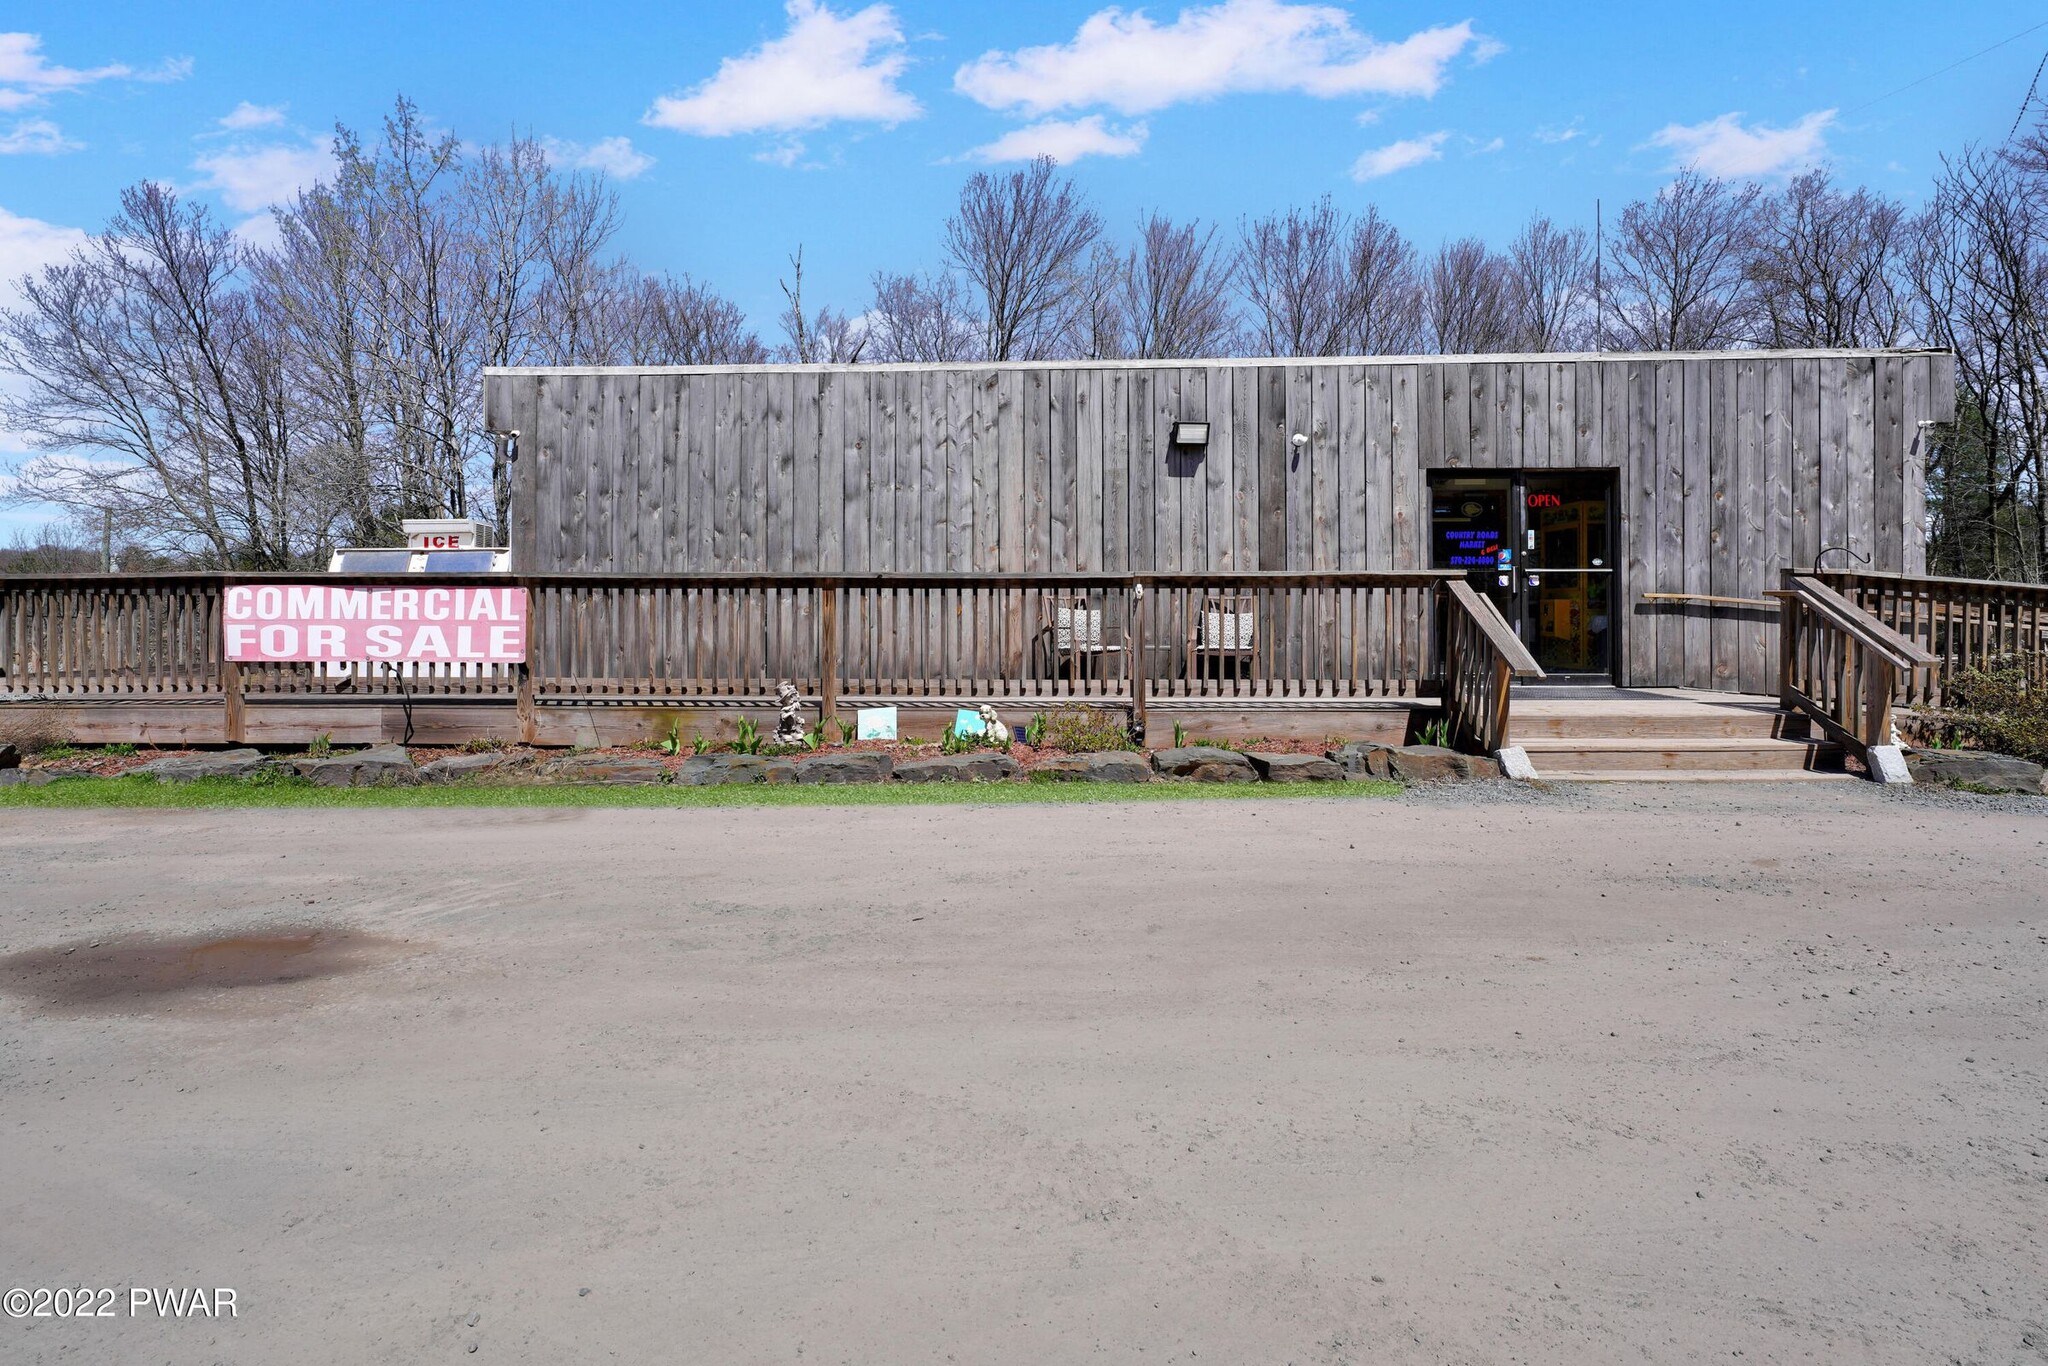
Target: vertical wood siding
[(1727, 468)]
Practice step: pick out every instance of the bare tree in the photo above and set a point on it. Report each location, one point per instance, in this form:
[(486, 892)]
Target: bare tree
[(1292, 269), (1383, 288), (1827, 268), (150, 381), (829, 337), (245, 408), (1678, 279), (1979, 265), (1022, 239), (315, 285), (1465, 300), (921, 319), (1098, 324), (1549, 279), (1173, 292), (670, 321)]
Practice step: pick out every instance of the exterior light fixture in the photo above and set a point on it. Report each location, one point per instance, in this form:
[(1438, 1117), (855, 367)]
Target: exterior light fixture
[(1190, 433)]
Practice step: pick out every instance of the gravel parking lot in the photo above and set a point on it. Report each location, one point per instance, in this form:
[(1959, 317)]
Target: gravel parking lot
[(1492, 1075)]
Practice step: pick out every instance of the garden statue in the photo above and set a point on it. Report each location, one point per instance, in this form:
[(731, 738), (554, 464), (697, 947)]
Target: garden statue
[(789, 728), (993, 729)]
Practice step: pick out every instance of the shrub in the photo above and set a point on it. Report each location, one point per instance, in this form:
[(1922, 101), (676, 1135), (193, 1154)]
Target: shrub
[(1993, 709), (483, 744), (1086, 730)]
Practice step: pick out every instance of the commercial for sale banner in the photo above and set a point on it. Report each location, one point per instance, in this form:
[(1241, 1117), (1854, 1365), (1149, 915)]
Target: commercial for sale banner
[(284, 623)]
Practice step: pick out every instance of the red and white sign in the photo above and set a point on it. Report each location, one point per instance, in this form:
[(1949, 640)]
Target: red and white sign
[(439, 533), (431, 624)]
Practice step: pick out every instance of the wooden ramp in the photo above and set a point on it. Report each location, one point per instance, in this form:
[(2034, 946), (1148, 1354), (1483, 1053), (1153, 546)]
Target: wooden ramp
[(1606, 734)]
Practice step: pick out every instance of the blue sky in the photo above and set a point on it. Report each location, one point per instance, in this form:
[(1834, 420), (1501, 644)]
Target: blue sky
[(739, 130)]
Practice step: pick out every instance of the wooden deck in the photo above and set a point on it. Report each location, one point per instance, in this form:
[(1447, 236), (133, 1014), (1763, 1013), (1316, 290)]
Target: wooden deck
[(615, 659)]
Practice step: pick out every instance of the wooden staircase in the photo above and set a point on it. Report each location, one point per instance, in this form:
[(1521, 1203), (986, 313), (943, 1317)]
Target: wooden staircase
[(1601, 734)]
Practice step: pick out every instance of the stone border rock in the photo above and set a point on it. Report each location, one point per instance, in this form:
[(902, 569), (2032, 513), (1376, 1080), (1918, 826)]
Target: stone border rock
[(1295, 768), (1978, 770), (981, 766), (1204, 764), (392, 765), (1362, 759)]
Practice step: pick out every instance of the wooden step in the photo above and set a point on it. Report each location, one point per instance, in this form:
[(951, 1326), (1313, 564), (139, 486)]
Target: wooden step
[(1695, 775), (1589, 754), (1538, 719)]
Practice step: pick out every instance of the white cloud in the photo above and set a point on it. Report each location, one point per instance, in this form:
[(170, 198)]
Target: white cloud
[(1064, 141), (28, 77), (1399, 156), (785, 154), (1489, 148), (245, 116), (1724, 147), (1123, 59), (26, 246), (29, 244), (615, 157), (22, 64), (36, 136), (259, 230), (251, 179), (826, 68), (1554, 133)]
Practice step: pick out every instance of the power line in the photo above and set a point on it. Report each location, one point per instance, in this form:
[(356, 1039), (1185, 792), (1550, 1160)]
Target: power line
[(2028, 102), (1945, 70)]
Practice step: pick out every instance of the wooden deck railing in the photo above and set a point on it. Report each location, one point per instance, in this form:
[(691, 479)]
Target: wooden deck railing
[(733, 638), (1962, 623), (1839, 665), (73, 637), (1482, 659)]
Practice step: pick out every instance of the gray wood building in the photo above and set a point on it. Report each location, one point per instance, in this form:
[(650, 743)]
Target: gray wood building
[(1628, 513)]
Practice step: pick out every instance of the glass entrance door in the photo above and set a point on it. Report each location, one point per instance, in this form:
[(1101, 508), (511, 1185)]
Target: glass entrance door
[(1540, 545)]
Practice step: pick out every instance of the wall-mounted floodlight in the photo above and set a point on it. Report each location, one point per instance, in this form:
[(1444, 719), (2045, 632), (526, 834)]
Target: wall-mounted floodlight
[(1190, 433)]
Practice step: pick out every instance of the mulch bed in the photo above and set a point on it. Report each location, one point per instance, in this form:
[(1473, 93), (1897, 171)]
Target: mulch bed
[(99, 763)]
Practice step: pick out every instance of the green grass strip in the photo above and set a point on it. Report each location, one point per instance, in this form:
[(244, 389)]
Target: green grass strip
[(219, 793)]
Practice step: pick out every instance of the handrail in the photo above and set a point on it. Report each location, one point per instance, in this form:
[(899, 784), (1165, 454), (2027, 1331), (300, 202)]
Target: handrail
[(1963, 623), (1482, 658), (1840, 666), (1930, 581), (1496, 628), (1874, 634)]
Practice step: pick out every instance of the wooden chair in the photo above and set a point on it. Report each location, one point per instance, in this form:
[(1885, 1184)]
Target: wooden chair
[(1223, 637), (1076, 644)]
